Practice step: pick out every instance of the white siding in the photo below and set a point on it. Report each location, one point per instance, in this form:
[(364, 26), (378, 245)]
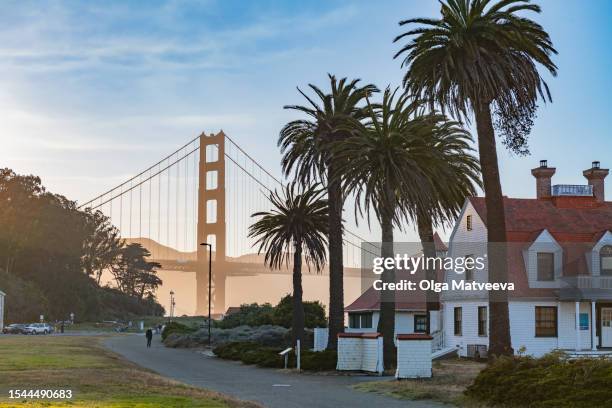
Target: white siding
[(404, 323), (413, 359), (469, 325), (522, 327), (463, 243), (595, 260), (356, 354)]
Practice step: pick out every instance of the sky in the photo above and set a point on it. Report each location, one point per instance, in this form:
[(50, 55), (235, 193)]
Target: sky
[(93, 92)]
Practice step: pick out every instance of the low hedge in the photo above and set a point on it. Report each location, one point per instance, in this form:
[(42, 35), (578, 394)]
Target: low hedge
[(546, 382), (175, 327), (256, 354)]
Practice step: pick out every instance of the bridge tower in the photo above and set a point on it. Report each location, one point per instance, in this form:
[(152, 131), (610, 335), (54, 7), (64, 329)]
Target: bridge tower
[(211, 223)]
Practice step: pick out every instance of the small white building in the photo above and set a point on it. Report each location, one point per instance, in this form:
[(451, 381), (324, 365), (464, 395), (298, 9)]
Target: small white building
[(2, 295), (410, 309)]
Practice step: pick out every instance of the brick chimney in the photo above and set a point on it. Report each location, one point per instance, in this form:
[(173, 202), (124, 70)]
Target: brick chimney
[(543, 176), (596, 176)]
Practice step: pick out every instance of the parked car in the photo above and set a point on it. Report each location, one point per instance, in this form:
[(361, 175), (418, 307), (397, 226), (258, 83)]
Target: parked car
[(38, 328), (14, 328)]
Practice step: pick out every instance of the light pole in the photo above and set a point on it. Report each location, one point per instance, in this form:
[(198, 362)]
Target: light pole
[(209, 285), (171, 304)]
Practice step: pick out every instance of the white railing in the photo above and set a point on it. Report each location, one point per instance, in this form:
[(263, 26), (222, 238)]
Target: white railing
[(586, 282), (438, 341), (572, 190)]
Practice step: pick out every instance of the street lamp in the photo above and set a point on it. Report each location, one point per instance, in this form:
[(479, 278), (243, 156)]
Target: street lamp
[(209, 285), (171, 304)]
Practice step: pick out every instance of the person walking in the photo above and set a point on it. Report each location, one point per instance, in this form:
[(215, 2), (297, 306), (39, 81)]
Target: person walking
[(149, 336)]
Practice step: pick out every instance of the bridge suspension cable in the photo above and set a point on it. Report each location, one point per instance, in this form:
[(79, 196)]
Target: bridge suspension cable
[(167, 226)]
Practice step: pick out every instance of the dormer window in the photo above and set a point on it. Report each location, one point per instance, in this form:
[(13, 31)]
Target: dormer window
[(468, 222), (606, 260), (546, 266)]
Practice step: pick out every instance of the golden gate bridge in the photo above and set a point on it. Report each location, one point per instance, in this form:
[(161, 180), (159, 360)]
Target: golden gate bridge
[(205, 191)]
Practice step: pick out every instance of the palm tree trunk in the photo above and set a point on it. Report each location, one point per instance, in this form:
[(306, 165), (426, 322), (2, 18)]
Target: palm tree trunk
[(386, 321), (297, 326), (432, 298), (499, 319), (336, 267)]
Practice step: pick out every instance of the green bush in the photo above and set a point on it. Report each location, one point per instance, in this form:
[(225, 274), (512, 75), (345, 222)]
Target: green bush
[(248, 315), (233, 350), (280, 315), (319, 360), (547, 382), (175, 327), (253, 353)]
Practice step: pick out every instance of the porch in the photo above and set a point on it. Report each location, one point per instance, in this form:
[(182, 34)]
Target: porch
[(595, 294)]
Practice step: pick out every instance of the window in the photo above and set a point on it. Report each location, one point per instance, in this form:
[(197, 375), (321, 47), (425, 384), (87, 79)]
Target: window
[(482, 320), (420, 323), (468, 221), (546, 266), (605, 257), (458, 318), (546, 321), (584, 321), (360, 320), (469, 267)]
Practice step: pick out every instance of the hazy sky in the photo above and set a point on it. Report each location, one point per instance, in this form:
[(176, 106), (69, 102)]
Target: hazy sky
[(92, 93)]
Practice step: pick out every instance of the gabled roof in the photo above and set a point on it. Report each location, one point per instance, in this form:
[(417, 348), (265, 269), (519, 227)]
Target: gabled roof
[(440, 245), (404, 300), (579, 216), (576, 224)]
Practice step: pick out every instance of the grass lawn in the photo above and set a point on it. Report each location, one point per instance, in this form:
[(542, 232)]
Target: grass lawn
[(97, 377), (450, 379)]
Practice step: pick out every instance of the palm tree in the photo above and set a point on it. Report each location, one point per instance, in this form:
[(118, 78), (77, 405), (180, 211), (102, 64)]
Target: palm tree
[(296, 225), (453, 173), (305, 145), (395, 166), (482, 54)]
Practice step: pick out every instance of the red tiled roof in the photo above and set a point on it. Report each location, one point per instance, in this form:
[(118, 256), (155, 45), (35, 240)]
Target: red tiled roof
[(414, 336), (576, 223), (405, 300), (440, 245), (577, 216)]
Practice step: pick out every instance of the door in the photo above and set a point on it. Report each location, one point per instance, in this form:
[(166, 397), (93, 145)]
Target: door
[(606, 327)]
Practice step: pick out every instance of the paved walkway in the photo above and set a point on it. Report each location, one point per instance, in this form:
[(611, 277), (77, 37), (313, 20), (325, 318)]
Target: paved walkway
[(269, 387)]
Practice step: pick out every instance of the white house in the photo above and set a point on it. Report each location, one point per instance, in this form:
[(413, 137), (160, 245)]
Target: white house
[(559, 259), (2, 295)]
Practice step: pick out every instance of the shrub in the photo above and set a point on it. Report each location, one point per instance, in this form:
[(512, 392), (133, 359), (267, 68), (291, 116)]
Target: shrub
[(319, 360), (248, 315), (550, 381), (233, 350), (176, 328), (314, 313), (280, 315), (253, 353)]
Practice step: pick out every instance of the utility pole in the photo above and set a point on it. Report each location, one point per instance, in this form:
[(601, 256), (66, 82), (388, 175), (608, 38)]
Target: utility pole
[(209, 286)]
